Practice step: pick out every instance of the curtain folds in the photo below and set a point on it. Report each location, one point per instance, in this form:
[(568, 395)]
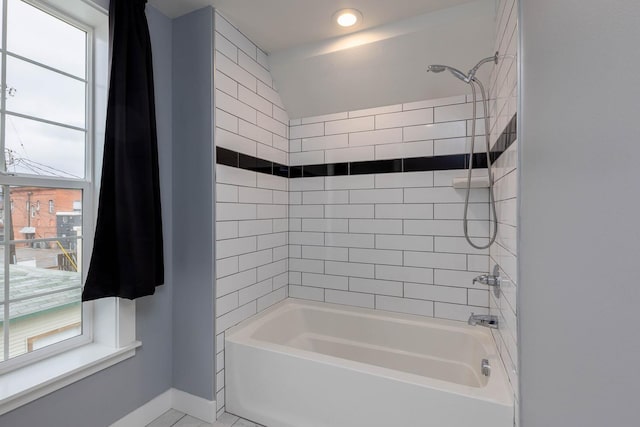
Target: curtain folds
[(127, 259)]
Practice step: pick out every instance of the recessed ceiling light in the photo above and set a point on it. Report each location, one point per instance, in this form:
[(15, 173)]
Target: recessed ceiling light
[(347, 17)]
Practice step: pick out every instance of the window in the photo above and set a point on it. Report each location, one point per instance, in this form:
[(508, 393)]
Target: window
[(45, 148), (57, 176)]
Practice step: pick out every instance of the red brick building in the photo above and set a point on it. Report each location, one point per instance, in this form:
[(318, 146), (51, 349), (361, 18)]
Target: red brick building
[(34, 210)]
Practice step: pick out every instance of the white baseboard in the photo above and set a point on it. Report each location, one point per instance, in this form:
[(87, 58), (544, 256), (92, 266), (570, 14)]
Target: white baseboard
[(171, 399), (147, 412), (194, 405)]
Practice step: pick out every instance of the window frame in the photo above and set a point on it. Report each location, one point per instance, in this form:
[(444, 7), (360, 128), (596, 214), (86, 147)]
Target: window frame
[(111, 337)]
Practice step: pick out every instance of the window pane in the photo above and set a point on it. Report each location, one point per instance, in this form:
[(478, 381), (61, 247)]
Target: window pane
[(45, 94), (44, 38), (41, 149), (45, 276), (38, 265), (42, 321), (38, 271)]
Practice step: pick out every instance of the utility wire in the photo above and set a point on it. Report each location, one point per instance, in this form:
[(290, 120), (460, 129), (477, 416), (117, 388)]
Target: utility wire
[(17, 134), (26, 162), (51, 168)]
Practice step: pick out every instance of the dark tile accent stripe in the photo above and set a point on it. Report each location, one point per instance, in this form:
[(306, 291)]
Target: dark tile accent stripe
[(413, 164), (437, 163), (376, 166), (226, 157), (479, 160), (329, 169), (255, 164), (508, 136), (243, 161), (295, 171), (281, 170)]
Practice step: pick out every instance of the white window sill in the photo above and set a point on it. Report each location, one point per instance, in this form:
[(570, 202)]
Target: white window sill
[(31, 382)]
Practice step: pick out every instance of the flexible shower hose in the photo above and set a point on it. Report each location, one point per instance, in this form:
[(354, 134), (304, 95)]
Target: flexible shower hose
[(492, 201)]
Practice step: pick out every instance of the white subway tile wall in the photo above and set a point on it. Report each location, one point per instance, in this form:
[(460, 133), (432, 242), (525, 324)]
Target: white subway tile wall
[(503, 94), (389, 132), (370, 240), (384, 241), (251, 208)]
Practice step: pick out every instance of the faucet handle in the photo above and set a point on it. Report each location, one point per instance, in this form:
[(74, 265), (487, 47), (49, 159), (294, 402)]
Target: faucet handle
[(484, 279), (487, 279), (492, 280)]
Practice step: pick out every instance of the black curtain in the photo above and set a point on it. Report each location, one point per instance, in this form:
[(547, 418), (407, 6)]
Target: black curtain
[(127, 259)]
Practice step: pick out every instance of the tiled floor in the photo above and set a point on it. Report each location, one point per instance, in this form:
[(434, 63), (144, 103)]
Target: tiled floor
[(173, 418)]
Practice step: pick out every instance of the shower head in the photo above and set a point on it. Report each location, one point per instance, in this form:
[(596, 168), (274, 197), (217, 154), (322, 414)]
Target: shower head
[(467, 78), (440, 68), (436, 68)]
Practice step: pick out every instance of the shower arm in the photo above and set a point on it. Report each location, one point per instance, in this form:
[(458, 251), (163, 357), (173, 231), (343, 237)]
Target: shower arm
[(471, 75)]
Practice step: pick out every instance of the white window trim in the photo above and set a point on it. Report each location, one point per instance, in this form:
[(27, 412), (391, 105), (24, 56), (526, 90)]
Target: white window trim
[(114, 319), (31, 382)]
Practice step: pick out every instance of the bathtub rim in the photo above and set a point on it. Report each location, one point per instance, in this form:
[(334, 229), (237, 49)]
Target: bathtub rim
[(498, 389)]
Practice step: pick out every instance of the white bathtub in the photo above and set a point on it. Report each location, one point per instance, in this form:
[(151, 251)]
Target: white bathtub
[(306, 364)]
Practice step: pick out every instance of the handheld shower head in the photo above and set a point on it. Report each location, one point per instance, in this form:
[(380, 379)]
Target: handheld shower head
[(467, 78), (436, 68), (440, 68)]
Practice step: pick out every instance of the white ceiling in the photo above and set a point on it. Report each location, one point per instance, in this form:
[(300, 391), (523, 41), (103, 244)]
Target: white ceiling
[(282, 24), (321, 69), (386, 65)]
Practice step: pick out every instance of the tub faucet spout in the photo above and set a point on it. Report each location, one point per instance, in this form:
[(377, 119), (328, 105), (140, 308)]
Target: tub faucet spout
[(486, 320)]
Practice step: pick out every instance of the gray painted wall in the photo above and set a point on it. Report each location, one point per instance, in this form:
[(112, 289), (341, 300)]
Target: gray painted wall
[(103, 398), (580, 207), (193, 302)]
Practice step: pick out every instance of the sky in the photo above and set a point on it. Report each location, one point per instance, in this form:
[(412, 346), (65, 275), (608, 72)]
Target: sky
[(35, 147)]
